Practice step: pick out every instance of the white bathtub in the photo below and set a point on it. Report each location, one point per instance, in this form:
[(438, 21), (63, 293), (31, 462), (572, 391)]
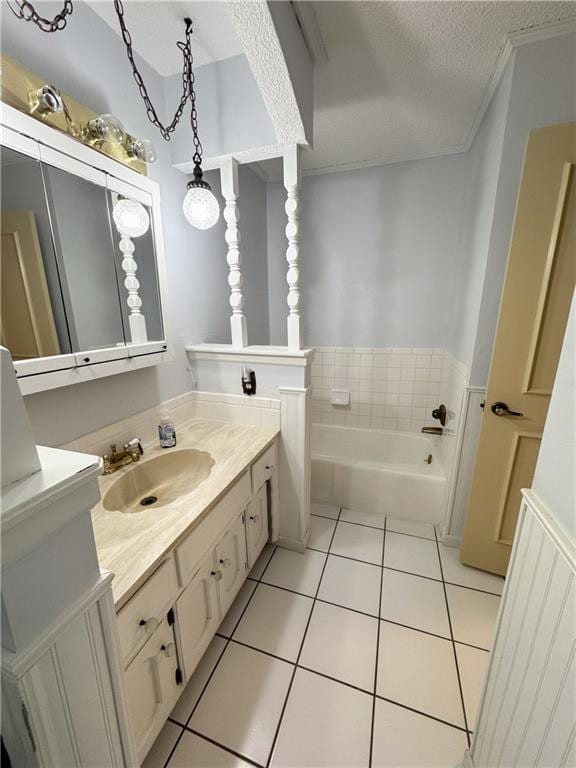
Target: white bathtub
[(378, 471)]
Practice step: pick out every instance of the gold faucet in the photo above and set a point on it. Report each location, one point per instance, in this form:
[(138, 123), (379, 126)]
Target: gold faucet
[(115, 460)]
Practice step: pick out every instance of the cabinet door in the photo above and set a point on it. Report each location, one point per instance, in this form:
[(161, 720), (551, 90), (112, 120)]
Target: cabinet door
[(198, 614), (151, 687), (231, 562), (257, 524)]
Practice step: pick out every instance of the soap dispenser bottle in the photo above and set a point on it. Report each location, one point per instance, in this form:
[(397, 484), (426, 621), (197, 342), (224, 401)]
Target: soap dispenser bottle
[(166, 431)]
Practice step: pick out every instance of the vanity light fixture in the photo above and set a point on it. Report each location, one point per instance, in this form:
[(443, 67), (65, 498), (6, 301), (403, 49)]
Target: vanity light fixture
[(46, 100), (130, 217), (106, 128), (142, 149)]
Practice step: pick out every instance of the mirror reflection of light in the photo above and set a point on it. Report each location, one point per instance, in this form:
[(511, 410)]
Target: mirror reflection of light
[(131, 218)]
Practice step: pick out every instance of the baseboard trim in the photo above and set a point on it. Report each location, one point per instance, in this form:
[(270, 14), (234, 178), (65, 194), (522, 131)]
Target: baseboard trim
[(467, 761), (293, 544), (452, 541)]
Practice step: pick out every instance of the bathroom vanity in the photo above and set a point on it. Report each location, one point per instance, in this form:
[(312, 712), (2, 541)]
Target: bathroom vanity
[(180, 562)]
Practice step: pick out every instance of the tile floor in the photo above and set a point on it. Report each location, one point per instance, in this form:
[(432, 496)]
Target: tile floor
[(368, 650)]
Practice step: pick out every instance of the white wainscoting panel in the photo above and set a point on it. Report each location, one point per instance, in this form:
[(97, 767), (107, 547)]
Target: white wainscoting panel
[(295, 463), (528, 712)]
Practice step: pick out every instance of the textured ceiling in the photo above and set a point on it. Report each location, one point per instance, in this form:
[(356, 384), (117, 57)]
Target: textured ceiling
[(156, 26), (407, 79)]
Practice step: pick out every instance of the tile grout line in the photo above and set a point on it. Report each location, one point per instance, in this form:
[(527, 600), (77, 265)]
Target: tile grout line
[(397, 570), (453, 645), (206, 684), (423, 714), (377, 648), (221, 746), (370, 615), (277, 732), (377, 527), (340, 682)]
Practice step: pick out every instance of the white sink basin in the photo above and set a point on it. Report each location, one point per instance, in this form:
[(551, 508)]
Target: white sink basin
[(158, 481)]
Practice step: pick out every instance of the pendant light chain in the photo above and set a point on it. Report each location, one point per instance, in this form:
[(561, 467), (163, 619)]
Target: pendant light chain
[(25, 10), (187, 77)]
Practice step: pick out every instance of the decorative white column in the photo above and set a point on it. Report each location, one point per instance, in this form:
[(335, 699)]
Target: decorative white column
[(136, 320), (229, 178), (292, 174)]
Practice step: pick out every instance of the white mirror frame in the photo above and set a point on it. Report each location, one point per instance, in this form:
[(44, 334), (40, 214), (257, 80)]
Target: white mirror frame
[(29, 136)]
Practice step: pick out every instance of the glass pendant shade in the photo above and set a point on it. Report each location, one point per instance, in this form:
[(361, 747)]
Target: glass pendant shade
[(131, 218), (200, 205)]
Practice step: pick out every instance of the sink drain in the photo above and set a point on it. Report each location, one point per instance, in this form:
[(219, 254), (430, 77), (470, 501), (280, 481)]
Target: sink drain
[(147, 501)]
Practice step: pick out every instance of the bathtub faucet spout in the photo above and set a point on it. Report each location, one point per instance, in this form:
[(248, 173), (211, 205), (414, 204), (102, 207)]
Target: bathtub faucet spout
[(432, 430)]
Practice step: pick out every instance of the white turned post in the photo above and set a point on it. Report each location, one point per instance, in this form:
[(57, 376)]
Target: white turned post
[(136, 319), (229, 179), (292, 173)]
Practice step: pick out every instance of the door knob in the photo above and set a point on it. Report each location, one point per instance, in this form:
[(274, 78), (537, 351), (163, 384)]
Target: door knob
[(255, 518), (501, 409), (226, 562)]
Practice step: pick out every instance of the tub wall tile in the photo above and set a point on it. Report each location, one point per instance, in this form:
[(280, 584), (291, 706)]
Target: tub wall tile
[(390, 388)]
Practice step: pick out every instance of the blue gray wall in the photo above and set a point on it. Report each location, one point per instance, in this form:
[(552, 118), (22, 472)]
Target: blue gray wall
[(378, 251)]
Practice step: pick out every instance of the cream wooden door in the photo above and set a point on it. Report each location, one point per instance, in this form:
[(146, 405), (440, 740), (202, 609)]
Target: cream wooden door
[(535, 303), (27, 321)]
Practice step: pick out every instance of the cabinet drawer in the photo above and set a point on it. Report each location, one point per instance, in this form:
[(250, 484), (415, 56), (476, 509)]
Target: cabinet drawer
[(140, 617), (193, 548), (263, 468)]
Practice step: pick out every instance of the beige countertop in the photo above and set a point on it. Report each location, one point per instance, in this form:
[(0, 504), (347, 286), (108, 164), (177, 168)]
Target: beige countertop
[(132, 545)]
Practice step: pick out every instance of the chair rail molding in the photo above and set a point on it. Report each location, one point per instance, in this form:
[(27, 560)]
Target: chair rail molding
[(292, 178), (230, 191)]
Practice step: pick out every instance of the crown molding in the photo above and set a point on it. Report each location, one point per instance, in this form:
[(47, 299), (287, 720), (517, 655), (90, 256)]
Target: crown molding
[(455, 150), (308, 22), (514, 40)]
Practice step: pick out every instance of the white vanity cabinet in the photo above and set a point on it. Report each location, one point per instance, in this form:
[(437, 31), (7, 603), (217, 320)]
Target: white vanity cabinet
[(231, 563), (198, 615), (152, 687), (169, 622), (257, 524)]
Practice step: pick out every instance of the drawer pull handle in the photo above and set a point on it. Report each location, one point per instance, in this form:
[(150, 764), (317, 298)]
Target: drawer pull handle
[(169, 650), (150, 624), (255, 518), (226, 562), (217, 575), (269, 466)]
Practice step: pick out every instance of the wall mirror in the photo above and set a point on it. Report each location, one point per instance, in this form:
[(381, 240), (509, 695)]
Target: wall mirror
[(81, 265)]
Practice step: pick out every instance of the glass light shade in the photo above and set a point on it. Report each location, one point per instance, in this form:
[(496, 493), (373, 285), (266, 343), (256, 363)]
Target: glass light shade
[(143, 149), (107, 128), (201, 207), (131, 218)]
